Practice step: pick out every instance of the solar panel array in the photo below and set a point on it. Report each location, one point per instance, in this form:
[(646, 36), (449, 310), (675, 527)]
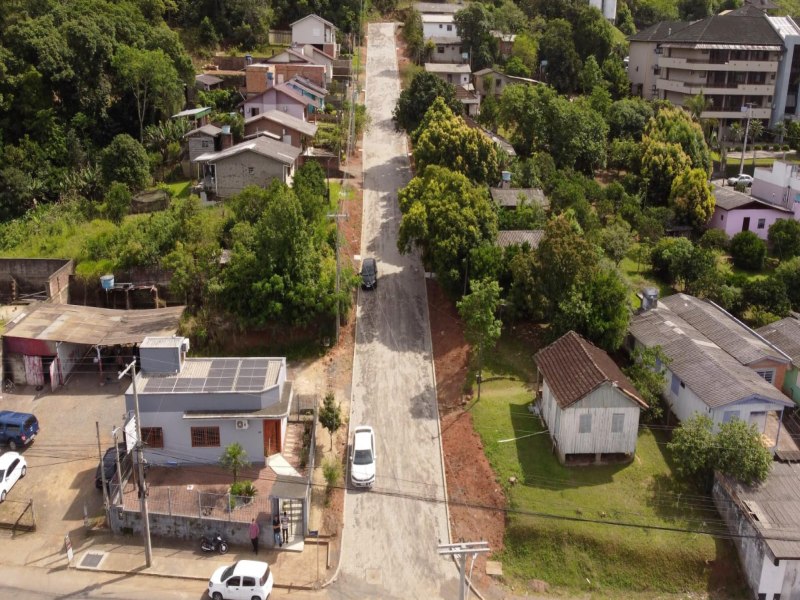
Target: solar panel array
[(224, 375)]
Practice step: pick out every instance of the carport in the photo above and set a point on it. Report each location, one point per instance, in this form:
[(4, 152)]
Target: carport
[(46, 342)]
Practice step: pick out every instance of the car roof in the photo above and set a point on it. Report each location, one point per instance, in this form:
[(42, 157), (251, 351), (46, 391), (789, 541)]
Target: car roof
[(8, 458), (253, 568), (368, 261), (11, 416), (362, 437)]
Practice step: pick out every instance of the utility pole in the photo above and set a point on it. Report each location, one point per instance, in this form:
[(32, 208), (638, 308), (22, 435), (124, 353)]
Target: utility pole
[(337, 216), (148, 549), (102, 466), (461, 551), (749, 107)]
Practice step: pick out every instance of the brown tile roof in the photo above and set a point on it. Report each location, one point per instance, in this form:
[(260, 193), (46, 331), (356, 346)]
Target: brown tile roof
[(574, 367)]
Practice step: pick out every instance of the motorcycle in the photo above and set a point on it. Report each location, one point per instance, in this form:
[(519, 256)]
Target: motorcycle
[(214, 544)]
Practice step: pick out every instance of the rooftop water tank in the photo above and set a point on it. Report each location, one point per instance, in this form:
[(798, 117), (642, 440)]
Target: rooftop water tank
[(107, 281), (506, 175), (226, 129)]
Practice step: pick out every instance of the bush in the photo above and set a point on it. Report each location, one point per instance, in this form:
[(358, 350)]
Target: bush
[(748, 251), (786, 148), (784, 235), (714, 239), (125, 160), (243, 488), (759, 147), (332, 471)]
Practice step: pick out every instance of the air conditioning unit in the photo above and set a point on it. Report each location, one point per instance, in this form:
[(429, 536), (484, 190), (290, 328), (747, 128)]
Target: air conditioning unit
[(242, 424)]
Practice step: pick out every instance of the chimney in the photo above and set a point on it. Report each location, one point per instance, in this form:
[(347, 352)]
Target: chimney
[(649, 298), (226, 138)]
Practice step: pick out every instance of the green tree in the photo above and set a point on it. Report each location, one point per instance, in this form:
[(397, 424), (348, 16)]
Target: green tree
[(590, 75), (675, 126), (615, 240), (662, 163), (417, 98), (413, 35), (482, 328), (118, 202), (697, 105), (445, 140), (625, 21), (592, 33), (508, 18), (330, 415), (767, 295), (311, 189), (616, 77), (125, 161), (526, 49), (234, 459), (680, 262), (446, 215), (517, 68), (714, 239), (789, 272), (784, 235), (557, 48), (207, 35), (151, 78), (740, 452), (473, 24), (693, 449), (748, 251), (648, 375), (692, 197)]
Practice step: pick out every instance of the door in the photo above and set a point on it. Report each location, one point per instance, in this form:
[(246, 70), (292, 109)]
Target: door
[(272, 437), (33, 370), (746, 224), (54, 379)]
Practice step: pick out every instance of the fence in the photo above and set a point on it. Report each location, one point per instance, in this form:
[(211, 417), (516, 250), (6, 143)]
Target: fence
[(280, 38), (184, 502), (17, 515)]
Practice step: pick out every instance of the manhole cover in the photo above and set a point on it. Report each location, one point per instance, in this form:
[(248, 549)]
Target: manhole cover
[(374, 576), (91, 560)]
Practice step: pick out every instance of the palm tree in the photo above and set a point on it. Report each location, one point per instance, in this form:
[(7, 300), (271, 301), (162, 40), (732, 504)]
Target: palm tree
[(756, 131), (234, 459)]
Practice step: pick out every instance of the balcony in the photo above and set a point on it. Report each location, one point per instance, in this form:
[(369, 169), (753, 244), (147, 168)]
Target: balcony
[(766, 66), (694, 88), (736, 113)]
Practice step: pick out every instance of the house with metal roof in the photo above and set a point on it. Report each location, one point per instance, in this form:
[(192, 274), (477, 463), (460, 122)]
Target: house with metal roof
[(717, 365), (439, 25), (785, 334), (455, 73), (253, 162), (764, 521), (520, 237), (288, 128), (590, 407), (508, 197), (736, 211)]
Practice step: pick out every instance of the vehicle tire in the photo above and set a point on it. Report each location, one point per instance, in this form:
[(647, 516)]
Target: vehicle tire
[(255, 598), (23, 472), (12, 445), (2, 496), (216, 596), (223, 547)]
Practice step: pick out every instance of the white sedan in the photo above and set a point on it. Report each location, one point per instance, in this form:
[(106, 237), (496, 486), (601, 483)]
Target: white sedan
[(243, 580), (741, 178), (12, 468), (362, 459)]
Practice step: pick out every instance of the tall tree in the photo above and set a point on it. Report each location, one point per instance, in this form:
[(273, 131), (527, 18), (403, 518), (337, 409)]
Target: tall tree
[(692, 197), (482, 328), (558, 50), (784, 235), (151, 78), (473, 23), (414, 101), (330, 415)]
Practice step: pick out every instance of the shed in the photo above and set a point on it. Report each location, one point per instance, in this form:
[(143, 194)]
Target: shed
[(201, 140), (590, 408), (512, 197)]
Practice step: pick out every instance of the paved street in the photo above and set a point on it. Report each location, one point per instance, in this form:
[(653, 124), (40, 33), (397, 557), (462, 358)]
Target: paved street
[(391, 533)]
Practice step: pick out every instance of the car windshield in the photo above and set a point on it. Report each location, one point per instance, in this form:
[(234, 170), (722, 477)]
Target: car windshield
[(264, 577), (362, 457), (228, 572), (368, 268), (2, 474)]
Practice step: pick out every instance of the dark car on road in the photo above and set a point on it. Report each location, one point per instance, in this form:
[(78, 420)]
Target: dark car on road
[(17, 429), (369, 274), (109, 465)]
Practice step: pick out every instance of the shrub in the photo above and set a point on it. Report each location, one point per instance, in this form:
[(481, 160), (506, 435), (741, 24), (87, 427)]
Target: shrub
[(244, 488), (332, 471), (784, 235), (786, 148), (125, 160), (714, 239), (759, 147), (767, 294), (748, 251)]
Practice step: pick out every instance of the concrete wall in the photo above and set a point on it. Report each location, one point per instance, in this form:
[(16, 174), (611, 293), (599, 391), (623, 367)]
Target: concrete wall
[(36, 275), (198, 144), (640, 68), (732, 221), (448, 30), (235, 173), (447, 53), (790, 385)]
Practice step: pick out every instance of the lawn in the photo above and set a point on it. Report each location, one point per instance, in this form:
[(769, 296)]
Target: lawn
[(640, 276), (180, 189), (545, 537)]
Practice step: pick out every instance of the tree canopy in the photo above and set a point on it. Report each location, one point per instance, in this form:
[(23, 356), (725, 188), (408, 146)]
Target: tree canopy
[(415, 100)]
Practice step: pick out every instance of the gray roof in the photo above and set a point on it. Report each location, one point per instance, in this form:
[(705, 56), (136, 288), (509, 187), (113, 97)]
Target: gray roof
[(264, 146), (785, 334), (216, 375), (438, 7), (282, 408), (207, 79), (445, 41), (210, 130), (317, 17), (510, 197), (287, 120), (773, 508), (728, 198), (728, 29), (309, 85), (727, 332), (518, 237), (659, 32), (715, 377), (447, 68)]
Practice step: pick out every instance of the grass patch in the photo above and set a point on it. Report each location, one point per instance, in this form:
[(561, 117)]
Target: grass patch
[(595, 557), (640, 275), (407, 72), (179, 189)]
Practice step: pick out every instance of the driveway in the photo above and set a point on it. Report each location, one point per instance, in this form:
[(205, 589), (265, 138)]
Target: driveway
[(391, 532)]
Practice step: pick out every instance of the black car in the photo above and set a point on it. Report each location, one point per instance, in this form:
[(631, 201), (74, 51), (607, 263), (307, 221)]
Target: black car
[(109, 465), (369, 274)]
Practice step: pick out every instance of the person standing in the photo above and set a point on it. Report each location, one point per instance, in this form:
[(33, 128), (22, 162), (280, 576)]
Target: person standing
[(254, 531), (285, 527), (276, 531)]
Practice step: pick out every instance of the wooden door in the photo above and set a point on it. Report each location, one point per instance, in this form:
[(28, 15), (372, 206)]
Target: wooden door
[(33, 370), (272, 437)]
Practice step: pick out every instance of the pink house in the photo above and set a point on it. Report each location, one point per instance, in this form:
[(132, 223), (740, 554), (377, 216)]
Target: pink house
[(280, 97), (736, 211)]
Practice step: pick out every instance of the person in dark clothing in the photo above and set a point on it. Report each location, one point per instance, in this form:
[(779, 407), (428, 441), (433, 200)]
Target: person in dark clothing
[(254, 531), (276, 531)]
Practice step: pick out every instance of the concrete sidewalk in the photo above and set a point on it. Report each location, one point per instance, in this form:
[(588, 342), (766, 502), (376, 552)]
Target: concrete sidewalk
[(306, 570)]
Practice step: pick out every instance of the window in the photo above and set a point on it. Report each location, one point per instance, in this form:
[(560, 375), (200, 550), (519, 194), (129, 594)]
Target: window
[(585, 424), (675, 386), (253, 112), (440, 49), (233, 581), (617, 422), (205, 437), (449, 28), (153, 437), (730, 415), (761, 223), (248, 582), (250, 170), (766, 374), (204, 143)]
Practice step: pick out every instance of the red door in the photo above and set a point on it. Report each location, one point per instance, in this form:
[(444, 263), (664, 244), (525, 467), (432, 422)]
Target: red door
[(272, 437)]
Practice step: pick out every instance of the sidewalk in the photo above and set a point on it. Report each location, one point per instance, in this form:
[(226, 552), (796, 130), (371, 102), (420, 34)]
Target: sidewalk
[(171, 558)]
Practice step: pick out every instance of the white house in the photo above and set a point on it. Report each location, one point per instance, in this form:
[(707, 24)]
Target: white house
[(192, 408), (457, 74), (591, 409), (439, 26), (718, 366), (313, 29)]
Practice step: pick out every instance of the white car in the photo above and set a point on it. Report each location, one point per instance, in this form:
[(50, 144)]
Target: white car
[(243, 580), (747, 180), (12, 468), (362, 457)]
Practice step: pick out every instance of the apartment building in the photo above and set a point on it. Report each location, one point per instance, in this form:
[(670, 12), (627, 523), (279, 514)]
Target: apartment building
[(743, 61)]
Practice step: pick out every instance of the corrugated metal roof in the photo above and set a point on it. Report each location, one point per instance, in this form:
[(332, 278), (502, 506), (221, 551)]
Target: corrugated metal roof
[(510, 197), (447, 68), (174, 341), (287, 120), (93, 326), (519, 237), (265, 146), (785, 334)]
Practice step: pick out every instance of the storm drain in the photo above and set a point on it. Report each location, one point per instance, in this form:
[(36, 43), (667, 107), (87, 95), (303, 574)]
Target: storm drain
[(91, 560)]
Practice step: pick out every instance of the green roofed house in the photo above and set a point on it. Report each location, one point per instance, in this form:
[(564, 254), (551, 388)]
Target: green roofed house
[(785, 335)]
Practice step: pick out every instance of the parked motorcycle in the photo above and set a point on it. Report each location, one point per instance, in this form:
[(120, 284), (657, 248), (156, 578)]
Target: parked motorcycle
[(214, 544)]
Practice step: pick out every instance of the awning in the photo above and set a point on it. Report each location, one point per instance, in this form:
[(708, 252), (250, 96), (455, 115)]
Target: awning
[(286, 486)]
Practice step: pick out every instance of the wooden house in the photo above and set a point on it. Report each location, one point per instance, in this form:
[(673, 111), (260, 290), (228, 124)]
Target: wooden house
[(590, 408)]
